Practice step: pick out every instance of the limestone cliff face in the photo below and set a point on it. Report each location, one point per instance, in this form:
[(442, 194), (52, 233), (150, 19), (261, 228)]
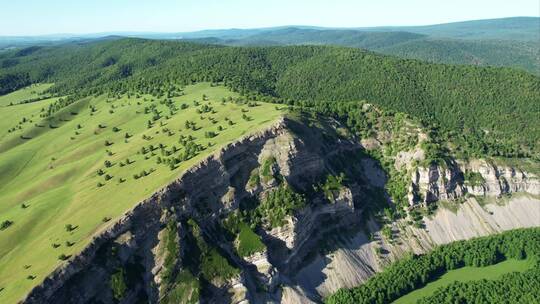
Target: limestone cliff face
[(477, 177), (206, 194), (330, 243)]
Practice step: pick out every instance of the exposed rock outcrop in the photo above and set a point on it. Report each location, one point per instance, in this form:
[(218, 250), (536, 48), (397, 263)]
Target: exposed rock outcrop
[(356, 258), (477, 177)]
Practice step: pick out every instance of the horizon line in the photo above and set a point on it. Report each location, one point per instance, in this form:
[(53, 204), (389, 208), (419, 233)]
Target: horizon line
[(133, 32)]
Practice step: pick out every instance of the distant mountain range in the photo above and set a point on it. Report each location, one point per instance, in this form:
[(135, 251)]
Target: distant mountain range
[(514, 28), (509, 42)]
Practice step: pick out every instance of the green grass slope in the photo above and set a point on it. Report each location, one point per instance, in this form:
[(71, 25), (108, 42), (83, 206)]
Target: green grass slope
[(17, 113), (26, 94), (75, 170), (467, 274)]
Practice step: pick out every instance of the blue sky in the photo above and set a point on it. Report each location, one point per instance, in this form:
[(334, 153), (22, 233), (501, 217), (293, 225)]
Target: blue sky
[(33, 17)]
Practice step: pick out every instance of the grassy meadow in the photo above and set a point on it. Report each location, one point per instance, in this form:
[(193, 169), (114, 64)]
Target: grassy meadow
[(65, 178), (465, 274)]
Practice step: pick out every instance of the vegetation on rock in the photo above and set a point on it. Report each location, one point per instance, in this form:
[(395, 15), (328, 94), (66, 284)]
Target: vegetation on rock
[(245, 240), (118, 284)]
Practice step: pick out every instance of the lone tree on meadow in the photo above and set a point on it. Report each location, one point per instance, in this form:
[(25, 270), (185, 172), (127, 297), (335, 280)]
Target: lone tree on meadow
[(70, 227), (5, 224)]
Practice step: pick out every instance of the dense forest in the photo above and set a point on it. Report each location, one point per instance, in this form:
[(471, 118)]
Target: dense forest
[(516, 54), (415, 271), (492, 52), (12, 82), (496, 109)]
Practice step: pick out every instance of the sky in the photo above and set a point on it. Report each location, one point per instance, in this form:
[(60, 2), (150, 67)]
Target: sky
[(38, 17)]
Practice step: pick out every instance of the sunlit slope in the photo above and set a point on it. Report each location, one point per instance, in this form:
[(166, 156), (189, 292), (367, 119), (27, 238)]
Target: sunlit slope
[(466, 274), (54, 173), (11, 116), (22, 95)]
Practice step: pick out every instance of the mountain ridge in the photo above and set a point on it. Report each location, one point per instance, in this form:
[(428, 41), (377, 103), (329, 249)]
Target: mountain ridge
[(212, 32), (511, 42)]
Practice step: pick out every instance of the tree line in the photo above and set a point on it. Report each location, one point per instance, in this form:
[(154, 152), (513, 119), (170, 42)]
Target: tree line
[(516, 287)]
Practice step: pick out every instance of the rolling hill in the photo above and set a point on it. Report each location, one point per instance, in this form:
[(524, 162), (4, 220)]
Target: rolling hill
[(492, 49), (507, 42), (512, 28)]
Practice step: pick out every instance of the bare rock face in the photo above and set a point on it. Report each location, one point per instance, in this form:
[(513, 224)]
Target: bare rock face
[(294, 294), (472, 219), (238, 291), (477, 177), (502, 179), (344, 199), (286, 233), (267, 273), (297, 229), (435, 183), (358, 257)]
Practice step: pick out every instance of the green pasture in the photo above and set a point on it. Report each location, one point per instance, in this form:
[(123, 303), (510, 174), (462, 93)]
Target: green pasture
[(49, 168), (466, 274)]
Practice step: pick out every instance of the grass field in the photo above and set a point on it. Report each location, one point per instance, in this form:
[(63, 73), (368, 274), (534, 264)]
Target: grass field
[(73, 169), (465, 274), (11, 116)]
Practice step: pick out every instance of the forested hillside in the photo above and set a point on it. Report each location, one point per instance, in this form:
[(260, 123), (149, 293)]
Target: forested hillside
[(491, 52), (341, 37), (506, 42), (518, 54), (495, 109), (512, 28)]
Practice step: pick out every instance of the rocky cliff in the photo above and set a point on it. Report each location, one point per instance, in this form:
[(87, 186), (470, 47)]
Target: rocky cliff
[(476, 177), (286, 215), (356, 258)]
